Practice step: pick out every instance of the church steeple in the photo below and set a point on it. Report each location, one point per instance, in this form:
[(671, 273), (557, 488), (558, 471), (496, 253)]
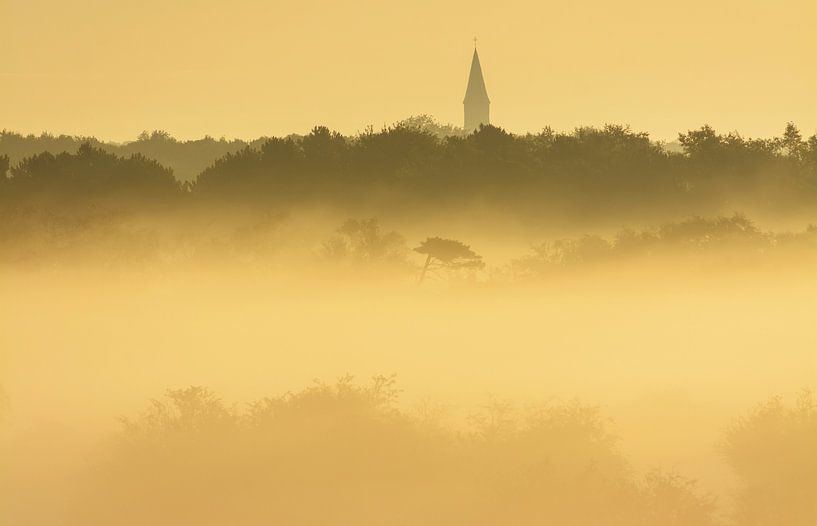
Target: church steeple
[(476, 101)]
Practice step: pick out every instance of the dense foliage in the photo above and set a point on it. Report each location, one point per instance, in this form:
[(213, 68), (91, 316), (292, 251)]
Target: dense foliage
[(91, 176), (417, 164)]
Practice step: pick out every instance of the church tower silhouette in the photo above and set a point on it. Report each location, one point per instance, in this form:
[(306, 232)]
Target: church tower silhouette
[(476, 101)]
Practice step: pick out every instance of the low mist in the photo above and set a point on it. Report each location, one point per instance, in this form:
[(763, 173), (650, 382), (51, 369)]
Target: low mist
[(569, 329), (624, 378)]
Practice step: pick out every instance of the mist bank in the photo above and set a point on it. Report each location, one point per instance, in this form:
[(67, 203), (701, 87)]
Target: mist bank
[(322, 245), (665, 360)]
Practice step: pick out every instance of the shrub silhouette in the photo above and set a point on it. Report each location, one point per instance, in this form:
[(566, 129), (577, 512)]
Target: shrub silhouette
[(361, 243), (732, 241), (345, 453), (771, 450)]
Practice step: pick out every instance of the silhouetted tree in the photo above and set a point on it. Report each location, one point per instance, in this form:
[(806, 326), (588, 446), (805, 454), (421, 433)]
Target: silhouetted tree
[(447, 253), (792, 142)]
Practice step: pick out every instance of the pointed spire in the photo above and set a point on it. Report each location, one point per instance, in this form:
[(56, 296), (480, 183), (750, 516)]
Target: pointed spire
[(476, 104), (476, 84)]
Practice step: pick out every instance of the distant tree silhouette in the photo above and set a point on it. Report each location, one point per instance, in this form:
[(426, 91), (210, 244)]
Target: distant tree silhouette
[(792, 143), (90, 175), (416, 163), (187, 158), (674, 500), (447, 253), (192, 410), (362, 243), (428, 124), (734, 240), (191, 458), (771, 449)]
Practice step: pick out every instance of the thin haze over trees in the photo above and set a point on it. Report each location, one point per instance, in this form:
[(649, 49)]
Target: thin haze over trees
[(351, 447)]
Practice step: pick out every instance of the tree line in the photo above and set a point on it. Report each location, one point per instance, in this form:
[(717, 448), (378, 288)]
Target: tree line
[(186, 158), (412, 164)]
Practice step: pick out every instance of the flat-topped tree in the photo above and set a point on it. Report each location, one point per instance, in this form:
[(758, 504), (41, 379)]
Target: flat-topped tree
[(447, 253)]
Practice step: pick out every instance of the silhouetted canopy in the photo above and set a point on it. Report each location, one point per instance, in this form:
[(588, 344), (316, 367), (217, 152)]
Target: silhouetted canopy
[(449, 252)]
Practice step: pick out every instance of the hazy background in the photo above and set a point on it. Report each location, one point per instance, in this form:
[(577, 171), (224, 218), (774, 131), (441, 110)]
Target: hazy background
[(249, 67)]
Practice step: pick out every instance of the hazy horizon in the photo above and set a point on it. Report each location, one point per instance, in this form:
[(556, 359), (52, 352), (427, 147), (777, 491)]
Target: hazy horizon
[(672, 139), (250, 69)]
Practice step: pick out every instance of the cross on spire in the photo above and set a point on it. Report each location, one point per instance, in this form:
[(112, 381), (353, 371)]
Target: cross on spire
[(475, 42)]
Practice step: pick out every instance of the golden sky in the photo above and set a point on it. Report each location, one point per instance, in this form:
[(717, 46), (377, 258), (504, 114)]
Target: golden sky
[(245, 68)]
